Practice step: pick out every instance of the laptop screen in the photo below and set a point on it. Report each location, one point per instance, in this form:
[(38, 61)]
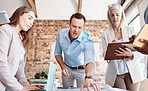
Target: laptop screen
[(51, 77), (3, 17)]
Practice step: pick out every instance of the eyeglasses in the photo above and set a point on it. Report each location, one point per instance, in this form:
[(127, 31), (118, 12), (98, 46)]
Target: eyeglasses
[(114, 5)]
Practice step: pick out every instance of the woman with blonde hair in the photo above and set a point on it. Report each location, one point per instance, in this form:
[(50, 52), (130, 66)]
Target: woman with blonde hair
[(12, 52), (122, 73)]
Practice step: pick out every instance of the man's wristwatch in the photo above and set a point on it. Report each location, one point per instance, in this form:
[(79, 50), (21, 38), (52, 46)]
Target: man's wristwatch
[(89, 76)]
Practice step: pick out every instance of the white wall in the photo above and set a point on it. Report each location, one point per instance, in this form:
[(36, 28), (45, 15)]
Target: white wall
[(11, 5), (63, 9), (142, 6), (138, 6)]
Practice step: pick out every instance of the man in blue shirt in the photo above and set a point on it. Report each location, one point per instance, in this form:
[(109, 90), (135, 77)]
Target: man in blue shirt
[(78, 49)]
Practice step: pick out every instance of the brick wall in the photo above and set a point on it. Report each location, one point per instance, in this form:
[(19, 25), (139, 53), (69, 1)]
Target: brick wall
[(41, 46)]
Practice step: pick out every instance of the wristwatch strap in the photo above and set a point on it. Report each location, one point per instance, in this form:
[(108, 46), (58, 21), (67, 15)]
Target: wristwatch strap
[(89, 76)]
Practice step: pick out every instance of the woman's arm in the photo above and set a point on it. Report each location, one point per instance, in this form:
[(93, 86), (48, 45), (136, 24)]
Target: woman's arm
[(6, 76), (20, 75)]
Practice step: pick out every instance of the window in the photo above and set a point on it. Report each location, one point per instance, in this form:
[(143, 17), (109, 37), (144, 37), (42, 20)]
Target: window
[(133, 20), (135, 23)]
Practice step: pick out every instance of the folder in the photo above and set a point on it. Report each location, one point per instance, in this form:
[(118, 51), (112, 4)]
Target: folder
[(111, 50), (137, 43)]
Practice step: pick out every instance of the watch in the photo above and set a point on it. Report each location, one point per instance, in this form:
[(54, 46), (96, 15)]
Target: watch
[(89, 76)]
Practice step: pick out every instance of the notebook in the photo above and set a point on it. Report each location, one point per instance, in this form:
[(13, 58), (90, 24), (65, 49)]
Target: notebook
[(3, 17)]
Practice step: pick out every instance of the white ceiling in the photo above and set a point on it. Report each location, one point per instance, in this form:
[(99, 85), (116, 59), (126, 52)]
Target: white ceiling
[(63, 9)]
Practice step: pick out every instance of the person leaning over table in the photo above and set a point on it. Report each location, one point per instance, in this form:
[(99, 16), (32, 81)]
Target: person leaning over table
[(122, 73), (78, 49), (12, 52)]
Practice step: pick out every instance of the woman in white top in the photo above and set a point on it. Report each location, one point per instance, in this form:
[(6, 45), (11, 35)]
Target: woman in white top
[(12, 53), (123, 73)]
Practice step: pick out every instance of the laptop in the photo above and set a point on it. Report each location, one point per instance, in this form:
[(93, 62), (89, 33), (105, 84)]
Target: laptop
[(51, 77), (50, 83), (50, 80), (3, 17)]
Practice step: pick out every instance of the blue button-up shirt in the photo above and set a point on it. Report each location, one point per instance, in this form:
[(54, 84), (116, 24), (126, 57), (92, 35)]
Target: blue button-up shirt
[(79, 52)]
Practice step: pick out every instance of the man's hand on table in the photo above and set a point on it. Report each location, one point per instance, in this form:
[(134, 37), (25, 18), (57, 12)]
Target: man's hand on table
[(89, 83)]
